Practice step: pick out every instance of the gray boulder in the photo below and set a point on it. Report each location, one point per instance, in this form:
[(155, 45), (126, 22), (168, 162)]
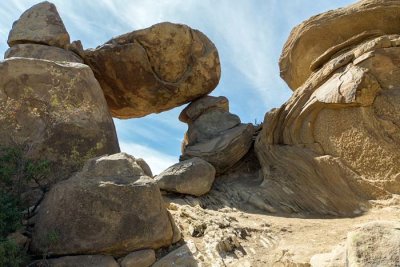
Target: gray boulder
[(194, 177), (39, 24), (110, 207)]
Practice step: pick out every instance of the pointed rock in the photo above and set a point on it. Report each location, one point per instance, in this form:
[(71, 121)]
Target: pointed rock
[(39, 24)]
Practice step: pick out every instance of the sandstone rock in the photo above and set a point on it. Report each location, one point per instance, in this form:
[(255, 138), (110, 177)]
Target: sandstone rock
[(214, 134), (330, 30), (337, 123), (78, 261), (155, 69), (40, 24), (110, 207), (374, 244), (145, 167), (200, 106), (183, 256), (141, 258), (194, 177), (224, 150), (18, 238), (57, 111), (42, 52)]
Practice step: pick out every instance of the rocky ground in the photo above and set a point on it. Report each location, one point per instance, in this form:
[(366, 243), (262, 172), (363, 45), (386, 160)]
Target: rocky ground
[(230, 236)]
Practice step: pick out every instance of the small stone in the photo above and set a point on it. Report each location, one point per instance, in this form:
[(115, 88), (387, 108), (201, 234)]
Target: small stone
[(140, 258)]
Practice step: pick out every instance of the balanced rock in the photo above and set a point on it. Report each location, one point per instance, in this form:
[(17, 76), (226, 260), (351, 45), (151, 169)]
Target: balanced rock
[(41, 24), (42, 52), (57, 110), (193, 176), (366, 17), (338, 136), (78, 261), (110, 207), (155, 69), (214, 134)]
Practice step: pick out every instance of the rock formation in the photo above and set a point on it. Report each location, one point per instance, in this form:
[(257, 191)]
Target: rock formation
[(214, 134), (120, 210), (341, 26), (193, 176), (172, 65), (325, 140), (57, 110), (41, 24), (331, 150)]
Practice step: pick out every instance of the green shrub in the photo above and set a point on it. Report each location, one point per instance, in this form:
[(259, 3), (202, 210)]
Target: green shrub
[(10, 214), (11, 255)]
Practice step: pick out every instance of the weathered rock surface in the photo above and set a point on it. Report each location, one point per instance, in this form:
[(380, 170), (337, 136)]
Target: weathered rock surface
[(183, 256), (332, 29), (110, 207), (78, 261), (41, 24), (374, 243), (214, 134), (329, 134), (155, 69), (141, 258), (193, 176), (57, 110), (42, 52)]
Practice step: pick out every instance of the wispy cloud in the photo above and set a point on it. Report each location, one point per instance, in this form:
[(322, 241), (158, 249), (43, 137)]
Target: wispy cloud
[(157, 160)]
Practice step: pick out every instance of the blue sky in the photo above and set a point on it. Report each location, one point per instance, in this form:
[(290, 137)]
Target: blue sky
[(249, 35)]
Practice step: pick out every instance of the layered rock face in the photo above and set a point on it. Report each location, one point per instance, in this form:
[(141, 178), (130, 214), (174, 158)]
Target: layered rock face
[(214, 134), (154, 69), (301, 51), (320, 150), (110, 207)]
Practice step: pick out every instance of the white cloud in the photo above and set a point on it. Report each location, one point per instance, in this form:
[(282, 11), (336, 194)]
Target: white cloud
[(157, 161)]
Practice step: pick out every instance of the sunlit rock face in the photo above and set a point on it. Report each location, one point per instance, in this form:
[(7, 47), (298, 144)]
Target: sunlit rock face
[(312, 38), (335, 143), (214, 134), (155, 69)]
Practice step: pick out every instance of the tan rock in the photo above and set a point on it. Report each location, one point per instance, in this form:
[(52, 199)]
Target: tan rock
[(42, 52), (110, 207), (344, 122), (374, 244), (194, 177), (140, 258), (214, 134), (202, 105), (57, 111), (155, 69), (224, 150), (78, 261), (40, 24), (330, 29)]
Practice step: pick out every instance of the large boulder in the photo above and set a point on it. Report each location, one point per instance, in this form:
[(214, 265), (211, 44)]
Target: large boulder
[(77, 261), (155, 69), (140, 258), (41, 24), (335, 143), (42, 52), (56, 110), (110, 207), (360, 21), (214, 134), (193, 176)]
